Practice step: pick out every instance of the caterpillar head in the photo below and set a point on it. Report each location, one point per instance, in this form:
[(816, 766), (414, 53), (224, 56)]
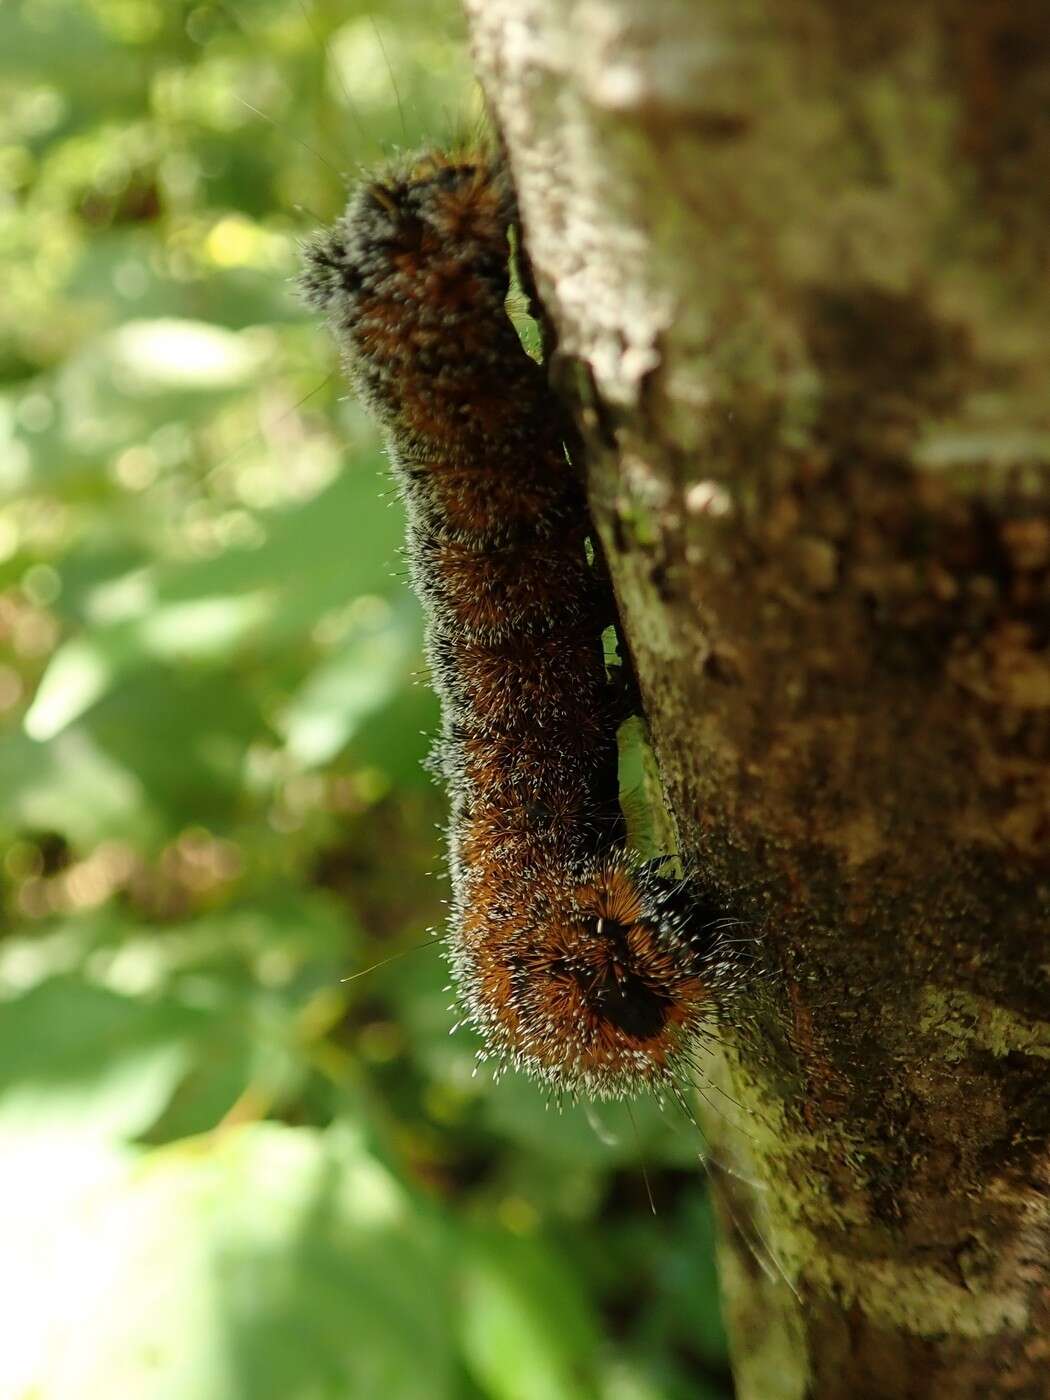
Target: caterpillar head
[(602, 984)]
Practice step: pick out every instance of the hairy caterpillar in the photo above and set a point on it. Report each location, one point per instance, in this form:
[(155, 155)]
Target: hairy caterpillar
[(576, 962)]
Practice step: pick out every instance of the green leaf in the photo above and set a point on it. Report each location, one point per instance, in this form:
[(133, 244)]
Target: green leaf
[(77, 1060), (184, 734), (356, 680), (264, 1262), (528, 1331), (87, 667), (151, 357), (259, 598), (598, 1135), (73, 786)]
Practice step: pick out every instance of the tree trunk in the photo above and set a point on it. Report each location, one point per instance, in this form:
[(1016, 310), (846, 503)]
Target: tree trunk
[(796, 255)]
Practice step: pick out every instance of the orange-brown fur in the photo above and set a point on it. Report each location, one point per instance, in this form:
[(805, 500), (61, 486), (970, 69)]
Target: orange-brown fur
[(574, 961)]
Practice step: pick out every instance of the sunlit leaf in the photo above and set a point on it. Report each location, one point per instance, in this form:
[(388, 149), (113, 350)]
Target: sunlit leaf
[(267, 1261), (73, 786), (527, 1329), (85, 669), (148, 356), (354, 681), (78, 1060)]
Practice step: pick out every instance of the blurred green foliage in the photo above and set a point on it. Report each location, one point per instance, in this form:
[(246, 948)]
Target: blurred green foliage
[(227, 1171)]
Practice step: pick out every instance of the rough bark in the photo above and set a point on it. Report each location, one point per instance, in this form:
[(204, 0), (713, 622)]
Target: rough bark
[(796, 253)]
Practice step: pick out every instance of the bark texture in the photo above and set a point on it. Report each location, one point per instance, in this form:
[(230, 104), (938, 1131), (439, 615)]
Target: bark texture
[(796, 254)]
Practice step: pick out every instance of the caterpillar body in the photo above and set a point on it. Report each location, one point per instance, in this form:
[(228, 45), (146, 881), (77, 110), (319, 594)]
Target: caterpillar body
[(576, 962)]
